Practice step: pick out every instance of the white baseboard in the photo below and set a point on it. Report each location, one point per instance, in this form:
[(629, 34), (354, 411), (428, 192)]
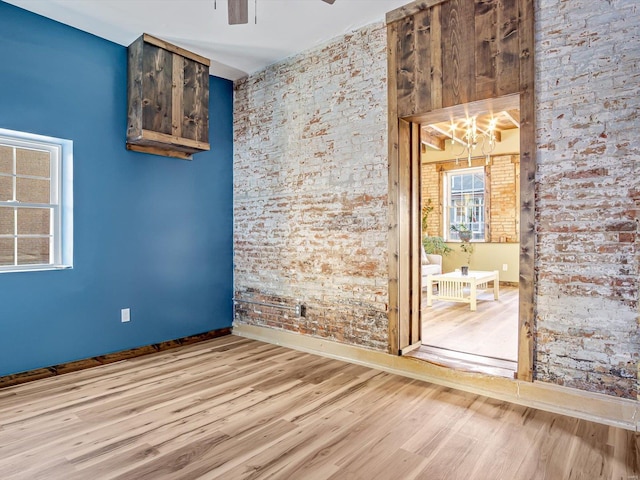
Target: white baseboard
[(617, 412)]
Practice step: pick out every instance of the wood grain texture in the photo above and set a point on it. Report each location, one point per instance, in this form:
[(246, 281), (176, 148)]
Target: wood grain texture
[(393, 174), (406, 67), (194, 115), (416, 235), (233, 408), (175, 49), (411, 9), (458, 45), (405, 279), (491, 331), (527, 192), (177, 94), (156, 89), (486, 48)]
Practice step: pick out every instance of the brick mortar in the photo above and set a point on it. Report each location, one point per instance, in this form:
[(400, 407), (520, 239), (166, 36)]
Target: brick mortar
[(587, 58), (310, 191)]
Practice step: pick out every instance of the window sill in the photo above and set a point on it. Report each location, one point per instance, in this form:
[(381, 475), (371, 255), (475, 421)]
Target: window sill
[(34, 268)]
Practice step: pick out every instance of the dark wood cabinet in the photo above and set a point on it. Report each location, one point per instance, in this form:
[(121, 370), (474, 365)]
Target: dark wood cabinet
[(168, 95)]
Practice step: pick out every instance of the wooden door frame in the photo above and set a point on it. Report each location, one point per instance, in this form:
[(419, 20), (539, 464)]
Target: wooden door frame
[(404, 202)]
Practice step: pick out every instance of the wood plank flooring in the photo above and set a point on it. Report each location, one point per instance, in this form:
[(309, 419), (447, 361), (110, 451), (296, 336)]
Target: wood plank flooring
[(233, 408), (490, 331)]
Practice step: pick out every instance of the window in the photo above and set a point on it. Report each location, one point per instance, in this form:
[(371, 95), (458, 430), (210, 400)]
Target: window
[(465, 200), (36, 202)]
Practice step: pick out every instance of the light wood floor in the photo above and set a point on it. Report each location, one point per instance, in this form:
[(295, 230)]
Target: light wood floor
[(233, 408), (492, 330)]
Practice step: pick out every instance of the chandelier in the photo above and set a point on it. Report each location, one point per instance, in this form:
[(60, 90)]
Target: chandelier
[(473, 137)]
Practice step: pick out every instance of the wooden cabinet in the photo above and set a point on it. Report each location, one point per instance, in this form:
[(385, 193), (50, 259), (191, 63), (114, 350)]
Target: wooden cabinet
[(168, 95)]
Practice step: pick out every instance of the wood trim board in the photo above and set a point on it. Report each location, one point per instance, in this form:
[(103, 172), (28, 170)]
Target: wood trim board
[(52, 371)]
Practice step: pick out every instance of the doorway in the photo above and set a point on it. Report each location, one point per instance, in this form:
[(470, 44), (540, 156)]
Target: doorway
[(469, 197), (454, 59)]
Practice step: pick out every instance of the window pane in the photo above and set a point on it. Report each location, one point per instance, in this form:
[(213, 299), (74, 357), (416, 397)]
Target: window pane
[(467, 182), (34, 221), (32, 162), (6, 251), (33, 251), (32, 190), (6, 159), (478, 183), (6, 189), (6, 221)]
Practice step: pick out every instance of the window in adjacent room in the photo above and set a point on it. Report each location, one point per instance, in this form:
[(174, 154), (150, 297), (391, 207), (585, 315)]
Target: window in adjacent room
[(464, 194), (36, 202)]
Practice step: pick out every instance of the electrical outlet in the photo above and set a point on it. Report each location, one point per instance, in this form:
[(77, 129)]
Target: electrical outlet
[(505, 267), (125, 315), (298, 308)]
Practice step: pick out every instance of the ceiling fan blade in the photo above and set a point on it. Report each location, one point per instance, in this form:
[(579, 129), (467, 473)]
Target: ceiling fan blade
[(238, 12), (330, 2)]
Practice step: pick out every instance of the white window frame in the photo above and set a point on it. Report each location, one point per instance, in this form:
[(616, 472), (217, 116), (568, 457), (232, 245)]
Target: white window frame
[(61, 197), (451, 236)]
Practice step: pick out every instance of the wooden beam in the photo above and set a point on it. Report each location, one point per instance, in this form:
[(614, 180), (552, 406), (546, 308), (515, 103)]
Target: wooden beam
[(513, 116), (432, 141), (491, 105)]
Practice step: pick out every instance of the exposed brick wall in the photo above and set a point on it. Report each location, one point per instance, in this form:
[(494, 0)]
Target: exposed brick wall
[(504, 206), (588, 98), (310, 191), (503, 172), (431, 190)]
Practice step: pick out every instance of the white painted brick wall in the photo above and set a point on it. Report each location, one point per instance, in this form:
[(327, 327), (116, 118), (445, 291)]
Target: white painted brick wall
[(587, 89), (310, 187), (310, 190)]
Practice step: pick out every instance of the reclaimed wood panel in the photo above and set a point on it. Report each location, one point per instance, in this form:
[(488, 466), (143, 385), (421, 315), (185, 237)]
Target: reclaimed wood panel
[(486, 48), (411, 9), (422, 55), (527, 192), (177, 94), (435, 92), (394, 194), (134, 90), (458, 42), (195, 113), (509, 38), (236, 408), (416, 237), (480, 56), (457, 51), (406, 70), (157, 67), (168, 95), (404, 238)]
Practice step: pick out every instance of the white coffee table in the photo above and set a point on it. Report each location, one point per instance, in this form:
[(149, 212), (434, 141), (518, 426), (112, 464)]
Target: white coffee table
[(451, 286)]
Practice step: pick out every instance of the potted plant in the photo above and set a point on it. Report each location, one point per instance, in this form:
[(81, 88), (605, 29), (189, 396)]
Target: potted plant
[(432, 244), (465, 244)]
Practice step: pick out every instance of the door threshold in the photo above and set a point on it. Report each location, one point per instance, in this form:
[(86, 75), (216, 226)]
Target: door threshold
[(497, 367)]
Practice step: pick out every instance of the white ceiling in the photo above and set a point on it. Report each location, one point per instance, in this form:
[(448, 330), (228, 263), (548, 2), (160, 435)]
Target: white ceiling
[(284, 27)]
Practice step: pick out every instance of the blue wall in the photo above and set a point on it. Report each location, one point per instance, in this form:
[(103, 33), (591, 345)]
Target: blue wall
[(150, 233)]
